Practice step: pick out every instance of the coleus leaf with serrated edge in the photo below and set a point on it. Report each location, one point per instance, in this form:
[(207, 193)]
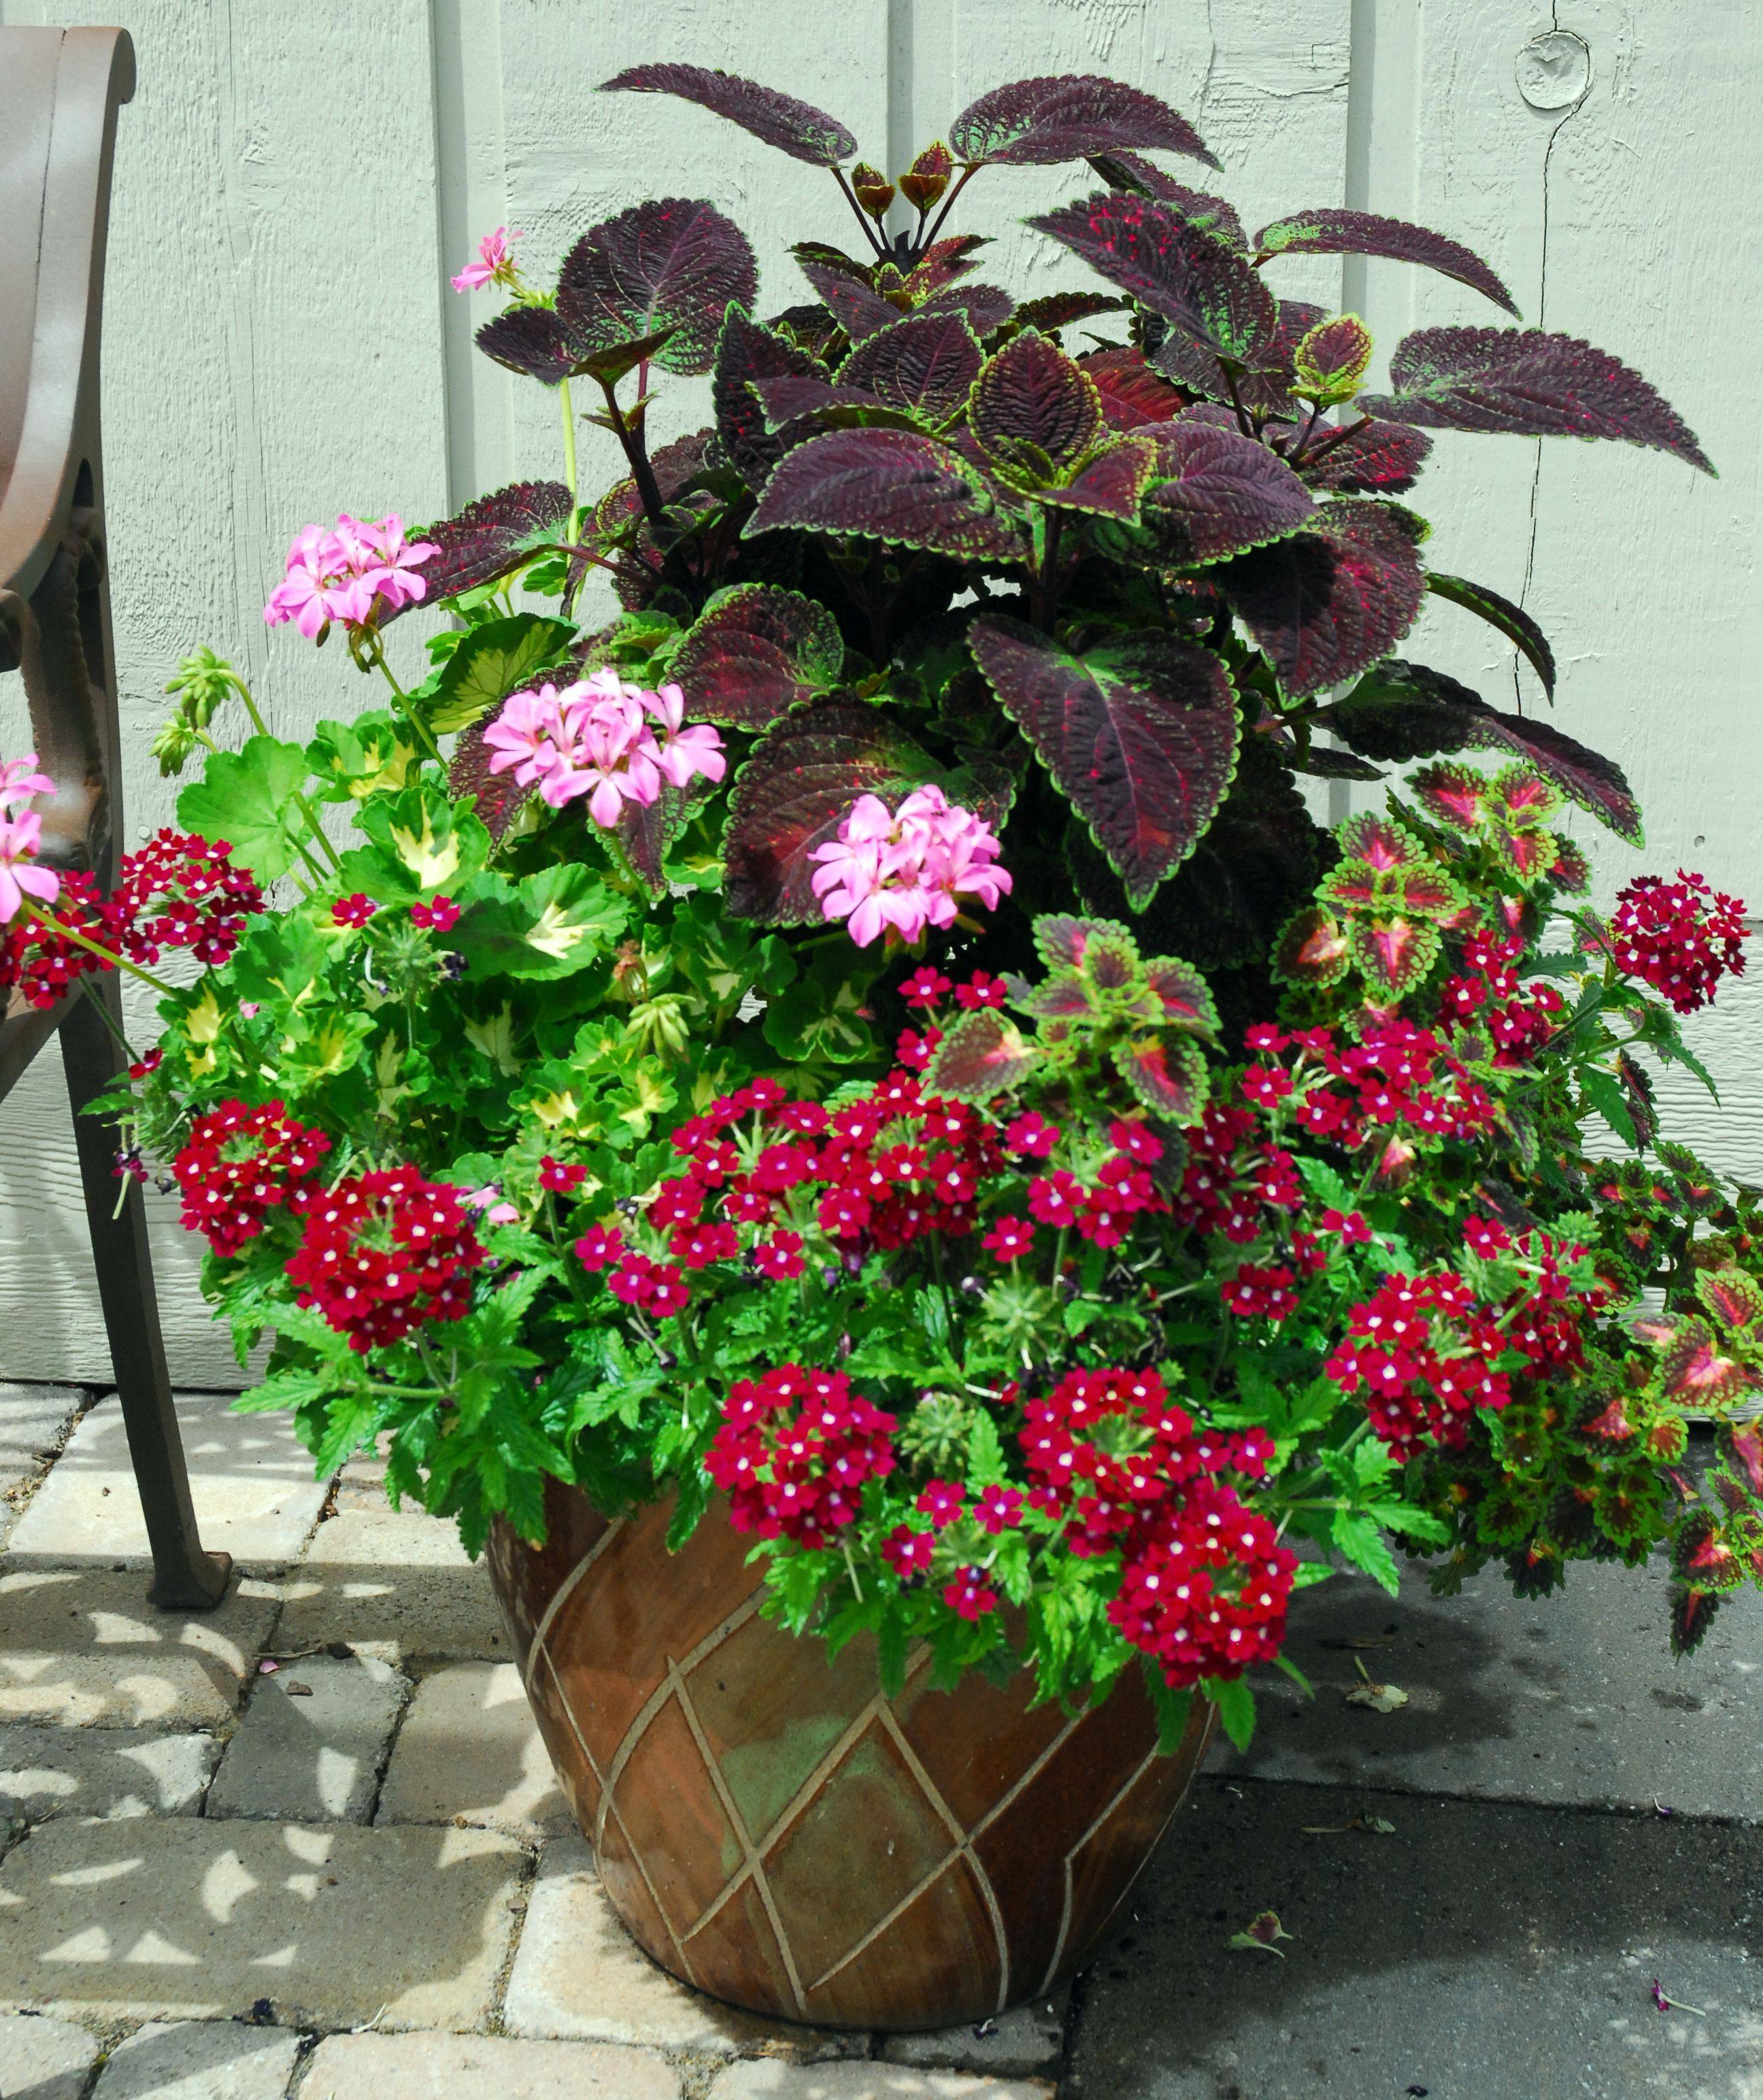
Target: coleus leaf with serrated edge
[(499, 795), (1330, 360), (1332, 599), (647, 831), (1311, 949), (1695, 1370), (1124, 170), (791, 795), (984, 307), (1112, 484), (796, 128), (1734, 1298), (1059, 310), (491, 537), (1040, 122), (1032, 399), (926, 363), (857, 309), (945, 263), (826, 405), (1393, 953), (1132, 394), (1218, 493), (1377, 459), (1140, 735), (1330, 230), (746, 351), (1183, 993), (889, 485), (1197, 284), (531, 340), (755, 652), (1531, 385), (1512, 621), (982, 1055), (674, 263), (1063, 942), (1168, 1075)]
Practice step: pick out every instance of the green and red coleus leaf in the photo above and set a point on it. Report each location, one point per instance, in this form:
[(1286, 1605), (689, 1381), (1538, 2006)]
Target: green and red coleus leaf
[(1334, 598), (1112, 484), (1330, 230), (1312, 950), (1132, 394), (673, 265), (982, 1055), (794, 127), (1692, 1613), (490, 537), (1454, 796), (746, 351), (1032, 403), (1330, 360), (1218, 493), (926, 364), (1124, 170), (1394, 952), (1734, 1299), (1140, 735), (1166, 1074), (1375, 459), (1039, 122), (891, 485), (945, 263), (1696, 1370), (1183, 993), (1512, 621), (755, 652), (1195, 282), (1531, 384)]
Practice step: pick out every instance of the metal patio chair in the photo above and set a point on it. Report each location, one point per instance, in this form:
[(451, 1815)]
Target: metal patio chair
[(60, 92)]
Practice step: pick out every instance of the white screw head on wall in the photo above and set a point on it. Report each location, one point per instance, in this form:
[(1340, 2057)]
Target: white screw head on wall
[(1554, 70)]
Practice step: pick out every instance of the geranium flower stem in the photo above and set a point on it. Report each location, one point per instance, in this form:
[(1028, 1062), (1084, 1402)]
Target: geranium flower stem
[(409, 713), (567, 407), (93, 948)]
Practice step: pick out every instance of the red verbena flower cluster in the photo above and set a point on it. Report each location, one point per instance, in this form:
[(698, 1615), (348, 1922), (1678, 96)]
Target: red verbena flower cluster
[(1207, 1592), (1485, 993), (1422, 1349), (385, 1253), (1544, 1318), (1398, 1082), (239, 1165), (1682, 938), (794, 1449)]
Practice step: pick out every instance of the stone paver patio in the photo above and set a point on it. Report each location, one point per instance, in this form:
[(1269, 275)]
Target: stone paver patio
[(307, 1846)]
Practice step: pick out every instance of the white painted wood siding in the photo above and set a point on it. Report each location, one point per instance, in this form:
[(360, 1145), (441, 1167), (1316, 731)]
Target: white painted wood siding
[(295, 184)]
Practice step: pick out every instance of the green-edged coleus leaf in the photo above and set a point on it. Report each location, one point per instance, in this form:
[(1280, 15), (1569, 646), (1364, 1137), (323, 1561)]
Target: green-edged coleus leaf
[(1166, 1074), (925, 364), (945, 263), (549, 925), (1032, 405), (492, 536), (1065, 942), (1373, 459), (859, 311), (674, 264), (796, 128), (492, 661), (1140, 735), (1183, 993), (1742, 1443), (755, 652), (1393, 953), (499, 796), (825, 404), (1512, 621), (1332, 599), (746, 351), (889, 485), (1692, 1613), (1131, 393), (1330, 230), (984, 307), (1124, 170), (1059, 310), (1196, 283), (1112, 484), (982, 1054), (1067, 116), (1454, 796), (1312, 950), (1734, 1298), (246, 799), (1217, 493), (1380, 841), (647, 831), (1330, 359), (1595, 784), (1695, 1370), (792, 794), (1529, 383)]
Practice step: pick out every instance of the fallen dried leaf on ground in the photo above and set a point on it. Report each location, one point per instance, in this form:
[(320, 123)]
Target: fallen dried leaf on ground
[(1380, 1698), (1259, 1935)]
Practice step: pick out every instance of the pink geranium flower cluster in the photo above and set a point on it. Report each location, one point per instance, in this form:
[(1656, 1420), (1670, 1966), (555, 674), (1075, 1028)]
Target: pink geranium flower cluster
[(350, 574), (495, 264), (21, 837), (612, 741), (905, 868)]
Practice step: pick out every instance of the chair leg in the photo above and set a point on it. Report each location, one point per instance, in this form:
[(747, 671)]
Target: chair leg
[(185, 1578)]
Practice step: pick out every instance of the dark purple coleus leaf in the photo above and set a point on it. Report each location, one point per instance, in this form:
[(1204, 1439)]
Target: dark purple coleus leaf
[(647, 831), (858, 310), (744, 352), (1110, 485), (1332, 231), (1218, 493), (1126, 171), (499, 796), (1332, 599), (1595, 782), (1033, 402), (1067, 118), (792, 400), (1132, 394), (926, 364), (1202, 290), (493, 536), (755, 652), (674, 263), (1512, 621), (1059, 310), (889, 485), (1140, 736), (981, 1056), (984, 307), (791, 795), (531, 340), (944, 262), (1378, 459), (796, 128), (1531, 384)]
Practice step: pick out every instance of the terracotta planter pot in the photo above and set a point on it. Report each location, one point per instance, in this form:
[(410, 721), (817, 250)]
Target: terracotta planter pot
[(776, 1833)]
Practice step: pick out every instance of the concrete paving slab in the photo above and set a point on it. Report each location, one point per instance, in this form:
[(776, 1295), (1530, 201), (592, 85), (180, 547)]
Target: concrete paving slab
[(431, 2067), (34, 1421), (865, 2081), (468, 1751), (578, 1974), (312, 1744), (44, 2059), (84, 1648), (396, 1584), (1573, 1698), (45, 1772), (1027, 2040), (1479, 1951), (180, 1918), (201, 2060), (250, 1478)]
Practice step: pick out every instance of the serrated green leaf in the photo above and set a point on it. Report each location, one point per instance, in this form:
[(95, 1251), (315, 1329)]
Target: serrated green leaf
[(1359, 1540), (245, 799), (1236, 1707), (499, 658)]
